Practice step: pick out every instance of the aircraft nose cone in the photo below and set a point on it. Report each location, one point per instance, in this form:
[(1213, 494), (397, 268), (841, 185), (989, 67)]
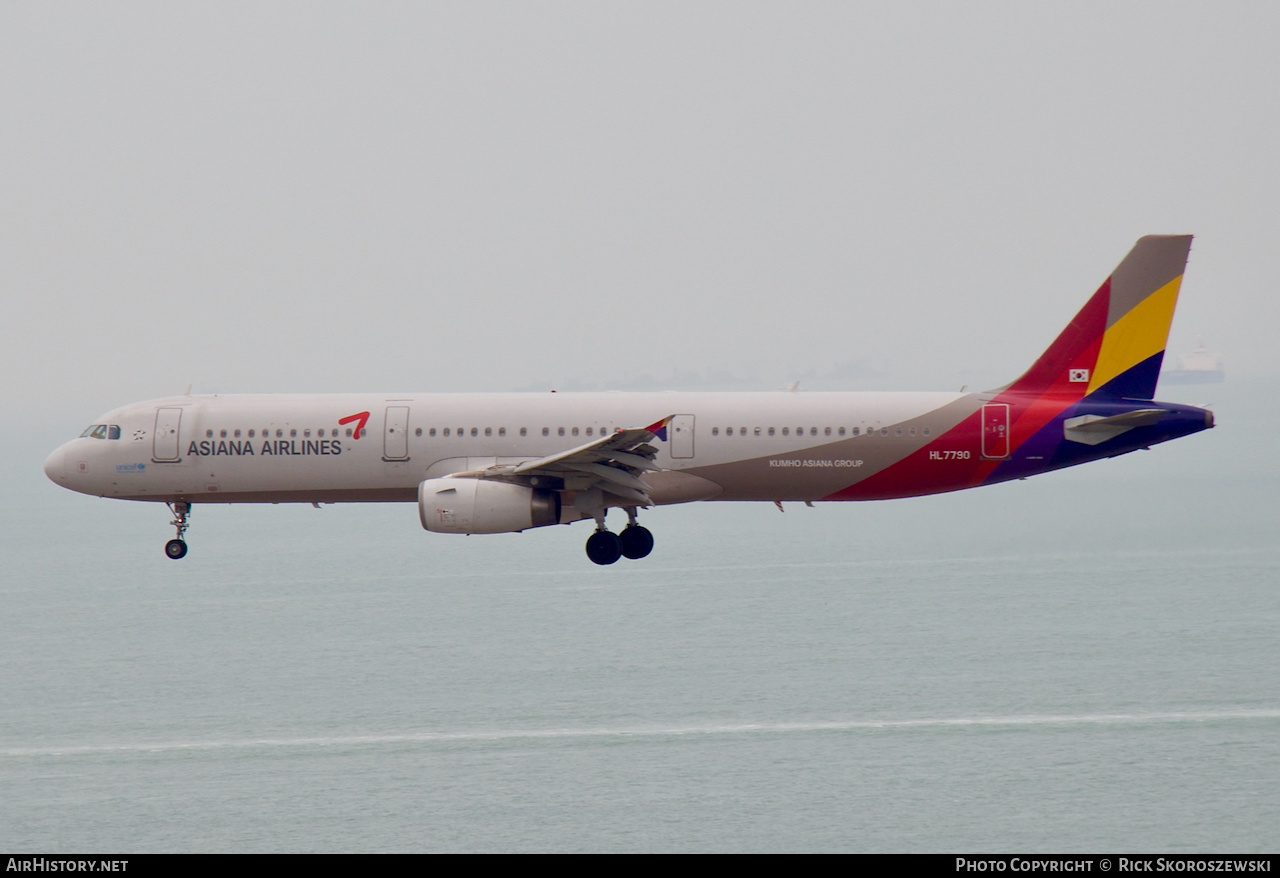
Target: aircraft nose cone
[(55, 466)]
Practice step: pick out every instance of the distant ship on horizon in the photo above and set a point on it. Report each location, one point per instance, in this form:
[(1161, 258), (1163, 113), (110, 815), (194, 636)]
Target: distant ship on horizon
[(1197, 366)]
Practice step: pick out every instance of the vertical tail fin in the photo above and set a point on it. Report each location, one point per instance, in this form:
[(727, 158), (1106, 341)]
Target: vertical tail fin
[(1114, 347)]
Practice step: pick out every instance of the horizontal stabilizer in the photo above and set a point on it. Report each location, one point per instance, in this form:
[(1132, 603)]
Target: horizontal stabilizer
[(1096, 429)]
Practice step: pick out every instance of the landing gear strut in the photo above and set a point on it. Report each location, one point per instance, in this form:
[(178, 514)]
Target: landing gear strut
[(606, 547), (177, 547)]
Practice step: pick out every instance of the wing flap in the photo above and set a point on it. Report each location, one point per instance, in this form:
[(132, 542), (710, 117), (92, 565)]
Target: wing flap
[(604, 448), (611, 474), (613, 463)]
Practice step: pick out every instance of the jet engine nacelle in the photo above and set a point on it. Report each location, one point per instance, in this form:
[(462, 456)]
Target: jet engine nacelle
[(480, 506)]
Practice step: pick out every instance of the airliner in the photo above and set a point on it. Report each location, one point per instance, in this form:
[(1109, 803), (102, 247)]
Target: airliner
[(503, 463)]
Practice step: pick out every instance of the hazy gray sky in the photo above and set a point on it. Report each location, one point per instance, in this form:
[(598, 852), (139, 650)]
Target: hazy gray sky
[(484, 196)]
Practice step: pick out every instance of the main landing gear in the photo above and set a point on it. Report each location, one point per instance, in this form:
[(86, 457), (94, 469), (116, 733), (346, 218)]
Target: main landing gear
[(606, 547), (177, 547)]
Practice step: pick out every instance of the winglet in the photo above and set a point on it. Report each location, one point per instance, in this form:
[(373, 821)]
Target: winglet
[(659, 428)]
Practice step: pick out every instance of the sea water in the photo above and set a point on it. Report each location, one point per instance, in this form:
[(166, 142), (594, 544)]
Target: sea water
[(1085, 661)]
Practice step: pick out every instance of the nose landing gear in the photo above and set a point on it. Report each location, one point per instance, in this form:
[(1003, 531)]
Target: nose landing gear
[(177, 547), (606, 547)]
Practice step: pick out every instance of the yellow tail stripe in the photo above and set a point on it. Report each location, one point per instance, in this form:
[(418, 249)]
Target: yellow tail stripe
[(1140, 334)]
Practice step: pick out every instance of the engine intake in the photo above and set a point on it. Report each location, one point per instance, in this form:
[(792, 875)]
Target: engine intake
[(480, 506)]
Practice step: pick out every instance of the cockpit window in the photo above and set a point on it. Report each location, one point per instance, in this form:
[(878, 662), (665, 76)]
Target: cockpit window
[(101, 431)]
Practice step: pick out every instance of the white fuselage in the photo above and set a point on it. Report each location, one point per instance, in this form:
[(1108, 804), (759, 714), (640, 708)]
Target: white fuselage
[(304, 448)]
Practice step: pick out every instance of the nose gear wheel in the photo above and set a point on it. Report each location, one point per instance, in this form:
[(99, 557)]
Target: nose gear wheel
[(177, 547)]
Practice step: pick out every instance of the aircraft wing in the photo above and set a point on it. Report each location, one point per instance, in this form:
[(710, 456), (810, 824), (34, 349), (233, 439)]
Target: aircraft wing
[(612, 463)]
